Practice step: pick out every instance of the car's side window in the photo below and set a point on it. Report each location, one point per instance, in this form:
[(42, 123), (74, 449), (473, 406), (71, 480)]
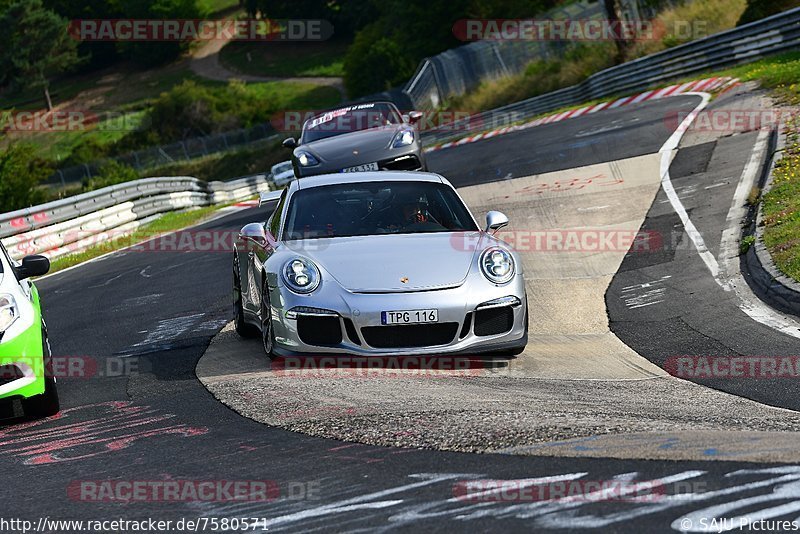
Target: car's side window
[(274, 224)]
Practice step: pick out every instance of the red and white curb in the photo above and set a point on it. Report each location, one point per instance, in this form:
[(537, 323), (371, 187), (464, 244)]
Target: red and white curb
[(707, 85)]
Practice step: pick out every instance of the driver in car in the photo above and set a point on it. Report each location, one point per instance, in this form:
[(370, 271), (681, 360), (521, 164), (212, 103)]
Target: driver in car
[(413, 212)]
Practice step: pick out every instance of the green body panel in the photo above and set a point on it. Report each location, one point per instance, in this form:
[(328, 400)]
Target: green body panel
[(27, 347)]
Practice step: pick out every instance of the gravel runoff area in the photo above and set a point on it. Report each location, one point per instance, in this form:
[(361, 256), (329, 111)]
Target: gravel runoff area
[(490, 412)]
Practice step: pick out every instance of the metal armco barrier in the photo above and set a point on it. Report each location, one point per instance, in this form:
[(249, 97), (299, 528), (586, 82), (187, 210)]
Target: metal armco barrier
[(745, 44), (73, 224)]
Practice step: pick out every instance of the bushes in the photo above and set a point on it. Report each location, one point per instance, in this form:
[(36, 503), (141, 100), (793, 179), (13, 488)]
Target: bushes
[(20, 174), (192, 110), (110, 173), (375, 62), (539, 77), (758, 9)]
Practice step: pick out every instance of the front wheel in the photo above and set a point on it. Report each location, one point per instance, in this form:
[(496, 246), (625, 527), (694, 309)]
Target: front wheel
[(46, 404), (267, 335), (242, 327)]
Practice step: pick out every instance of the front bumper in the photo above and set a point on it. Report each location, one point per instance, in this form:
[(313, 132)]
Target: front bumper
[(342, 322), (22, 366), (411, 158)]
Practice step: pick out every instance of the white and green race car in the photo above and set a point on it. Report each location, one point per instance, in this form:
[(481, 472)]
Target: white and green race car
[(27, 384)]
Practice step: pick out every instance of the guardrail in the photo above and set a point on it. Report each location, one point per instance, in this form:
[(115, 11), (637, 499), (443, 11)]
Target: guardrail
[(76, 223), (744, 44)]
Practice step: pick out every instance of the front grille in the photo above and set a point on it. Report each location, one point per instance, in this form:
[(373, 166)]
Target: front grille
[(403, 163), (9, 373), (492, 321), (321, 331), (350, 328), (408, 336)]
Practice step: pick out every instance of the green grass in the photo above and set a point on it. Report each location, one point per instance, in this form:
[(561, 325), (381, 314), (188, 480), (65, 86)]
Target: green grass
[(781, 205), (282, 59), (254, 158), (137, 100), (169, 222)]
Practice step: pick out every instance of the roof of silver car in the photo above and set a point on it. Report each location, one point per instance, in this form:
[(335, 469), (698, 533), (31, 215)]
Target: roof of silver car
[(357, 177)]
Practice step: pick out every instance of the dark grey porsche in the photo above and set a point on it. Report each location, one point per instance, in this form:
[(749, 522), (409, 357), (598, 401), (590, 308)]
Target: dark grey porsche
[(372, 136)]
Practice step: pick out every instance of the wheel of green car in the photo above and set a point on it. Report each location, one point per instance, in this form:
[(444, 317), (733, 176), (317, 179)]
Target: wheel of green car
[(47, 403)]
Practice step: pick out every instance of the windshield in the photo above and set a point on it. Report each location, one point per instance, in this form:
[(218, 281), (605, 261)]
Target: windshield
[(361, 209), (350, 119), (282, 167)]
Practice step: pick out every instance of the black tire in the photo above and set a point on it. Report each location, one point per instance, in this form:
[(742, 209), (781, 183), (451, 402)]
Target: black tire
[(46, 404), (267, 335), (243, 328)]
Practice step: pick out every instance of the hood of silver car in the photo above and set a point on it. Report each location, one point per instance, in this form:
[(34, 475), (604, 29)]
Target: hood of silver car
[(392, 263)]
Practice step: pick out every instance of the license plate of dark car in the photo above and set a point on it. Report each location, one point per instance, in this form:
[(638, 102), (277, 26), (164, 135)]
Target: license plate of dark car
[(410, 317), (362, 168)]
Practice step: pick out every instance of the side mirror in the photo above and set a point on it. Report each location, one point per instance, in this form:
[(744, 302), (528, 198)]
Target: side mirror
[(414, 117), (289, 142), (495, 221), (32, 266), (254, 232)]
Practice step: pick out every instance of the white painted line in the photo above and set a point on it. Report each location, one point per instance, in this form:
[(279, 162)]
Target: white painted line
[(712, 186), (666, 183), (729, 278), (729, 247)]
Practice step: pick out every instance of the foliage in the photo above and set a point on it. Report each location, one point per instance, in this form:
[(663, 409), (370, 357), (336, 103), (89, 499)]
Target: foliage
[(110, 173), (539, 77), (758, 9), (191, 110), (35, 47), (20, 174)]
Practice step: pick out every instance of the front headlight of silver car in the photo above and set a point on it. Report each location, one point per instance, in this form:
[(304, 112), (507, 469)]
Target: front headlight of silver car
[(306, 159), (9, 312), (404, 138), (497, 265), (301, 275)]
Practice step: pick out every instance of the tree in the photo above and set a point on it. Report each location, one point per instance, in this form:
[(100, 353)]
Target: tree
[(758, 9), (36, 46), (20, 174), (613, 10)]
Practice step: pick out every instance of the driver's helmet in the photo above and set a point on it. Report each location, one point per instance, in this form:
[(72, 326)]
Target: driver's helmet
[(415, 208)]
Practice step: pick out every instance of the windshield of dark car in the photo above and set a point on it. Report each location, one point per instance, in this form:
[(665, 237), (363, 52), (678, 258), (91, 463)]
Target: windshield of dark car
[(374, 208), (350, 119)]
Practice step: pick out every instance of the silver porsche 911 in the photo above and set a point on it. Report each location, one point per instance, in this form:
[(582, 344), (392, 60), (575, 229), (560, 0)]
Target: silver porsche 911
[(378, 263)]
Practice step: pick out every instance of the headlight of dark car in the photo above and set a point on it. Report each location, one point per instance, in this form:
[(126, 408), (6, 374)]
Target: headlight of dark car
[(306, 159), (497, 265), (301, 275), (403, 138)]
